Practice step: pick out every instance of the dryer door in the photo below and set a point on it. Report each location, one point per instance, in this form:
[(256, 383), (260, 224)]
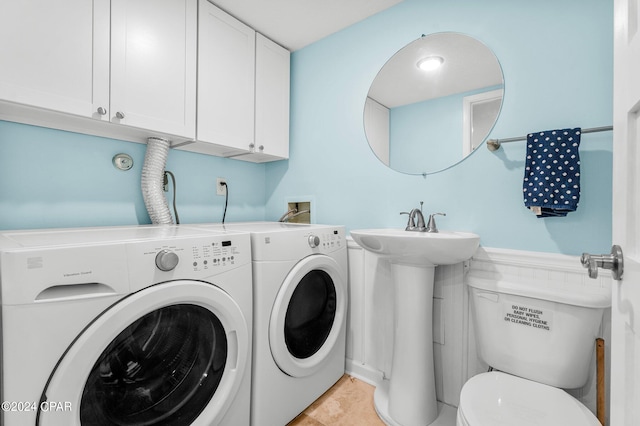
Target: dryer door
[(308, 315), (171, 354)]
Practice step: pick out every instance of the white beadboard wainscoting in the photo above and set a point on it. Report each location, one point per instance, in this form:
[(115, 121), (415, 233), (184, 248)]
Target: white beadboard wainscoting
[(370, 321)]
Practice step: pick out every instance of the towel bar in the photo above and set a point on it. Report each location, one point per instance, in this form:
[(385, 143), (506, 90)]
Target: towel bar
[(494, 144)]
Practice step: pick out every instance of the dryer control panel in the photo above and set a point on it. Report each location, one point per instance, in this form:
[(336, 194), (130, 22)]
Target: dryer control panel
[(329, 239), (292, 244)]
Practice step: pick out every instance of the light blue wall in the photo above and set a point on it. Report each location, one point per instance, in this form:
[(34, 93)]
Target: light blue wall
[(557, 61), (52, 179), (558, 67)]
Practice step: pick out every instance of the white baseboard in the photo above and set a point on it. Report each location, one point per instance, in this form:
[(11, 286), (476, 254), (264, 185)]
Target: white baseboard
[(363, 372)]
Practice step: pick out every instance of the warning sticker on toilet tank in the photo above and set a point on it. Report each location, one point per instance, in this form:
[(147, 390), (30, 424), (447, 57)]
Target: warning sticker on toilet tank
[(528, 316)]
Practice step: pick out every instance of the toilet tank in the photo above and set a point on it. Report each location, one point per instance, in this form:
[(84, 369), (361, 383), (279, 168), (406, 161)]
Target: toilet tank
[(544, 332)]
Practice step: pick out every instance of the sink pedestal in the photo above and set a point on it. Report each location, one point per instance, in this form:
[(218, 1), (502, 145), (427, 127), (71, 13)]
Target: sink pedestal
[(410, 399)]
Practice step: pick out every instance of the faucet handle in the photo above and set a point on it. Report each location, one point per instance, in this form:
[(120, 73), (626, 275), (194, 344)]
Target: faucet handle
[(411, 223), (431, 226)]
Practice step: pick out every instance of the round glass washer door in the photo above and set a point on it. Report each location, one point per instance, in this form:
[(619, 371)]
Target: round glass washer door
[(308, 316), (171, 354)]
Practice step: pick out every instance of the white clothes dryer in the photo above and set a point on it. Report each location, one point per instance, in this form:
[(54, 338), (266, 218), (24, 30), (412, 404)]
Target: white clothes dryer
[(125, 326), (300, 310)]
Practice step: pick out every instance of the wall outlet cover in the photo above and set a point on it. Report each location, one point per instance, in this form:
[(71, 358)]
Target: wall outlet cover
[(220, 188)]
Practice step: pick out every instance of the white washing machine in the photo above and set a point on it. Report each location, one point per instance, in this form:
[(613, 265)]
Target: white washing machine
[(300, 310), (145, 325)]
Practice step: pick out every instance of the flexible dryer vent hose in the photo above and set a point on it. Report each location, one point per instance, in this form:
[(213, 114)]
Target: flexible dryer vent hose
[(155, 160)]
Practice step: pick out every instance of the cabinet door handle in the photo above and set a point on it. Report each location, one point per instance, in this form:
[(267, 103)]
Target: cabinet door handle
[(120, 115), (102, 111)]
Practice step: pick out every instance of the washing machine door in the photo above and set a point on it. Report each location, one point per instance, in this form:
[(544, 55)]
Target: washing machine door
[(171, 354), (308, 316)]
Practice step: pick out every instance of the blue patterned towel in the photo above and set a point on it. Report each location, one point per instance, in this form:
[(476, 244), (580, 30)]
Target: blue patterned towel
[(551, 183)]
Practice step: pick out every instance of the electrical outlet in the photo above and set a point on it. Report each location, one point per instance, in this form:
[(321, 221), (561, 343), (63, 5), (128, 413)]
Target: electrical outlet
[(220, 188)]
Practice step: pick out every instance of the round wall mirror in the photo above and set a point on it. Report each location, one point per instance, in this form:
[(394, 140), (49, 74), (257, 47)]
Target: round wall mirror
[(433, 103)]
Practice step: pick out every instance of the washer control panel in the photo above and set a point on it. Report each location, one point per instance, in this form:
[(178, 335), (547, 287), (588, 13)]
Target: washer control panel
[(194, 257), (217, 254)]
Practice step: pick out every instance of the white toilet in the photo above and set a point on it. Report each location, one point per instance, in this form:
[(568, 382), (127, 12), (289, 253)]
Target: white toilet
[(541, 339)]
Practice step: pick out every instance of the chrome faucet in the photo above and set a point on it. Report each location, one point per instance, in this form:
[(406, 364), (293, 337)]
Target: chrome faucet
[(420, 225)]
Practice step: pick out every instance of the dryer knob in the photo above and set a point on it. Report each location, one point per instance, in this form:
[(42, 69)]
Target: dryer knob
[(166, 260), (314, 241)]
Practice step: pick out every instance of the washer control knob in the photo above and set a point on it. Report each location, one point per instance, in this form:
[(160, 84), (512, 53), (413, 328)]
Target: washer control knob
[(314, 241), (166, 260)]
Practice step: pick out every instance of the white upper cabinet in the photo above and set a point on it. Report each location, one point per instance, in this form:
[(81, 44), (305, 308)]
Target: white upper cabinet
[(226, 83), (131, 62), (131, 69), (272, 100), (47, 54), (243, 91), (153, 65)]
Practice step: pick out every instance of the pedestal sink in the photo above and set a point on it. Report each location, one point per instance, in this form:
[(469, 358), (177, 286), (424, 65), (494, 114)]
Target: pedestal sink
[(410, 397)]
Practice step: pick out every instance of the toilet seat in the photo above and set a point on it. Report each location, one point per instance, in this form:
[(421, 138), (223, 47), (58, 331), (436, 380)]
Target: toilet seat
[(499, 399)]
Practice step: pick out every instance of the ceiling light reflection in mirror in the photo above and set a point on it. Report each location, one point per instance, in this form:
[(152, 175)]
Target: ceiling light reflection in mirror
[(422, 121), (430, 63)]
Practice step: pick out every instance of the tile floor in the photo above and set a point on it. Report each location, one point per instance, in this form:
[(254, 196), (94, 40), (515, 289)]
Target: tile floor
[(348, 403)]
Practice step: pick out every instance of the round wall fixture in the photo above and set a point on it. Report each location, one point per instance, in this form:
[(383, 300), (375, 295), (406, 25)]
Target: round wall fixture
[(122, 161)]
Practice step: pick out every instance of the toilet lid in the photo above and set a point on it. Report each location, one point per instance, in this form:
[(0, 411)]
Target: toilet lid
[(499, 399)]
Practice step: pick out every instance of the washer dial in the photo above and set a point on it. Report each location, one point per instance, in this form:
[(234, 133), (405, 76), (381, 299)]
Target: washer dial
[(166, 260)]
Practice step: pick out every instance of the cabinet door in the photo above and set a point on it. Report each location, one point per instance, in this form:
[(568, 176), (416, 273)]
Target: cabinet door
[(55, 54), (153, 65), (226, 69), (272, 98)]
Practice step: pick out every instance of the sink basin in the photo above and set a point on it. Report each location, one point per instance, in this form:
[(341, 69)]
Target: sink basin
[(441, 248)]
